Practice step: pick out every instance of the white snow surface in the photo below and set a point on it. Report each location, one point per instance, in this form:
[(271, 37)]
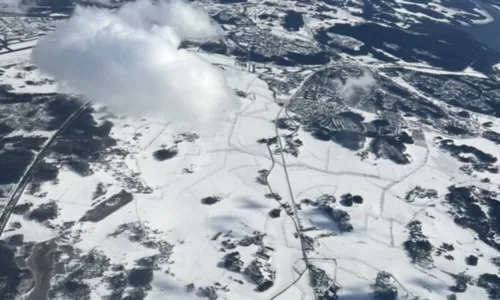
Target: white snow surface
[(224, 161)]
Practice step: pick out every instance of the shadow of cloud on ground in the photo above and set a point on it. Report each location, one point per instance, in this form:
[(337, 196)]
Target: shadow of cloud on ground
[(321, 219), (223, 223), (249, 203), (166, 285), (361, 296), (431, 286)]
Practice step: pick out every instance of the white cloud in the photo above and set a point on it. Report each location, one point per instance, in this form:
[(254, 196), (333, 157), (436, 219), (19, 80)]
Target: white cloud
[(129, 60), (358, 85)]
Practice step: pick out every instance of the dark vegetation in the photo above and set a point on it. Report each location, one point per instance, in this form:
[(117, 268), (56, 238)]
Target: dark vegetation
[(211, 200), (471, 260), (262, 177), (13, 163), (140, 277), (340, 217), (492, 136), (419, 192), (44, 212), (275, 213), (293, 20), (13, 280), (418, 247), (491, 283), (348, 199), (444, 248), (456, 150), (466, 208), (72, 285), (107, 207), (84, 138), (46, 172), (164, 154), (462, 280), (83, 142), (16, 240), (23, 208), (80, 166), (99, 191), (390, 148), (353, 132), (324, 286), (117, 284), (384, 288), (232, 262)]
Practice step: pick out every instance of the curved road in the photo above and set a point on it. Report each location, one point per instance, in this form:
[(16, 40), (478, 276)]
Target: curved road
[(21, 185)]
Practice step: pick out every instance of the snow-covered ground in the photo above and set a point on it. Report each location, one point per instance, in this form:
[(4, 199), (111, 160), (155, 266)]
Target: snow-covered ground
[(225, 163)]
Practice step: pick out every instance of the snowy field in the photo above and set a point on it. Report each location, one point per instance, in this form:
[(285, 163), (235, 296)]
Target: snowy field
[(182, 200), (224, 162)]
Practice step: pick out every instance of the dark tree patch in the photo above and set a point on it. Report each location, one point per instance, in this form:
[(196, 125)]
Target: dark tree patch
[(462, 280), (211, 200), (293, 20), (140, 277), (471, 260), (491, 283), (80, 166), (418, 247), (164, 154), (384, 288), (11, 277), (349, 199), (13, 163), (275, 213), (46, 172), (405, 138), (21, 209), (466, 208), (44, 212)]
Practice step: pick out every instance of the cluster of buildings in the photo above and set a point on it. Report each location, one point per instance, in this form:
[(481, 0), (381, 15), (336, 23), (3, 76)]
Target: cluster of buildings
[(263, 46), (474, 94), (17, 29)]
